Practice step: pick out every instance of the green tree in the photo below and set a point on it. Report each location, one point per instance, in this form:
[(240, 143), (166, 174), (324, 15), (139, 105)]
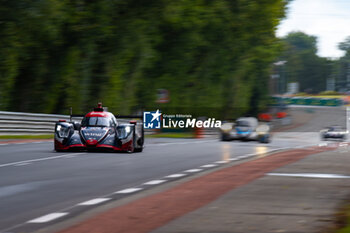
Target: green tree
[(213, 56), (342, 67), (303, 64)]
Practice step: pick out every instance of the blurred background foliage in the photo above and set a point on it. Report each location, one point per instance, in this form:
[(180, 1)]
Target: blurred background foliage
[(314, 73), (56, 54), (304, 65)]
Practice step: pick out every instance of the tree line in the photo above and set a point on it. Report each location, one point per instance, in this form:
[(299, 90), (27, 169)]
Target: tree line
[(311, 71), (56, 54)]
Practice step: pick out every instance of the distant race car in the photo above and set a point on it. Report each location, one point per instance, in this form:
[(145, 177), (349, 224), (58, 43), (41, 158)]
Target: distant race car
[(246, 128), (99, 130), (333, 132)]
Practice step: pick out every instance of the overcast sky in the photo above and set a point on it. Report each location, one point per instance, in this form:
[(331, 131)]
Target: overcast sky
[(329, 20)]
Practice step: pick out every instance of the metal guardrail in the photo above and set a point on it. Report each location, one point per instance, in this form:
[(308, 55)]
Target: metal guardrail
[(21, 123)]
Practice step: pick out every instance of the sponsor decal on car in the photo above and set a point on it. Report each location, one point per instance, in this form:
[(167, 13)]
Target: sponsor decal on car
[(93, 134)]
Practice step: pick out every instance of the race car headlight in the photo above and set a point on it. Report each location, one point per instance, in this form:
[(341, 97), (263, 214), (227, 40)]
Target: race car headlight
[(124, 131), (262, 129), (226, 127), (63, 132)]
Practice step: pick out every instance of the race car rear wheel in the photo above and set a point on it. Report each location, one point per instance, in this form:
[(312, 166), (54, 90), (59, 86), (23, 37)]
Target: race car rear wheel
[(138, 143)]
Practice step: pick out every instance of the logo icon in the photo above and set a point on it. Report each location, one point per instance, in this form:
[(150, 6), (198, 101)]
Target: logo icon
[(151, 120)]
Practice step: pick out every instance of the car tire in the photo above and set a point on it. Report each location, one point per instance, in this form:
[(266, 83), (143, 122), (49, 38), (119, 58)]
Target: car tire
[(138, 142), (224, 137), (56, 148), (138, 150), (264, 139)]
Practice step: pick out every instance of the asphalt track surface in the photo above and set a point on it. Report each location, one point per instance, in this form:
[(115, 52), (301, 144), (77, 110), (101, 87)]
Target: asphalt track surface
[(38, 184)]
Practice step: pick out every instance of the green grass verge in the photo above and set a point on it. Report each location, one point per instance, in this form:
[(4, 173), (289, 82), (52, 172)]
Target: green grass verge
[(46, 136), (323, 96), (50, 136), (345, 220), (171, 135), (344, 230), (329, 96)]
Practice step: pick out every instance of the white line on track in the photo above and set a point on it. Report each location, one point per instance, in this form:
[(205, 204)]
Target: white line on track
[(22, 164), (155, 182), (222, 161), (245, 156), (47, 218), (4, 144), (38, 160), (311, 175), (209, 165), (193, 170), (234, 159), (94, 201), (130, 190), (175, 175), (322, 144), (253, 154)]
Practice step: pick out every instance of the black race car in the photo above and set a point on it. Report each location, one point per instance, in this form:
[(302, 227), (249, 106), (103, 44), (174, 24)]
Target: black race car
[(99, 130)]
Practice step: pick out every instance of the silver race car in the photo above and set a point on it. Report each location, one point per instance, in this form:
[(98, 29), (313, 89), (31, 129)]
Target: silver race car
[(245, 129), (334, 132)]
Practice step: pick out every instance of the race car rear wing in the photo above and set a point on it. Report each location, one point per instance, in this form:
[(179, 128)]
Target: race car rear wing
[(117, 116), (100, 108)]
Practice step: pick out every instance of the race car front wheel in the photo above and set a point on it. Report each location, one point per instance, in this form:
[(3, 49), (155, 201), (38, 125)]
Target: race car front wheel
[(224, 137), (264, 139)]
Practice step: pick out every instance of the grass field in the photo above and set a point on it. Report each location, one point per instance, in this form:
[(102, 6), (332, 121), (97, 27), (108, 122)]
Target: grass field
[(328, 96), (344, 219)]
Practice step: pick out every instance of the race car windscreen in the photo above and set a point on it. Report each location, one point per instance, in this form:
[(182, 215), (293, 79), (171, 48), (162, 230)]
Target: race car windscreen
[(96, 121), (335, 129), (242, 124)]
